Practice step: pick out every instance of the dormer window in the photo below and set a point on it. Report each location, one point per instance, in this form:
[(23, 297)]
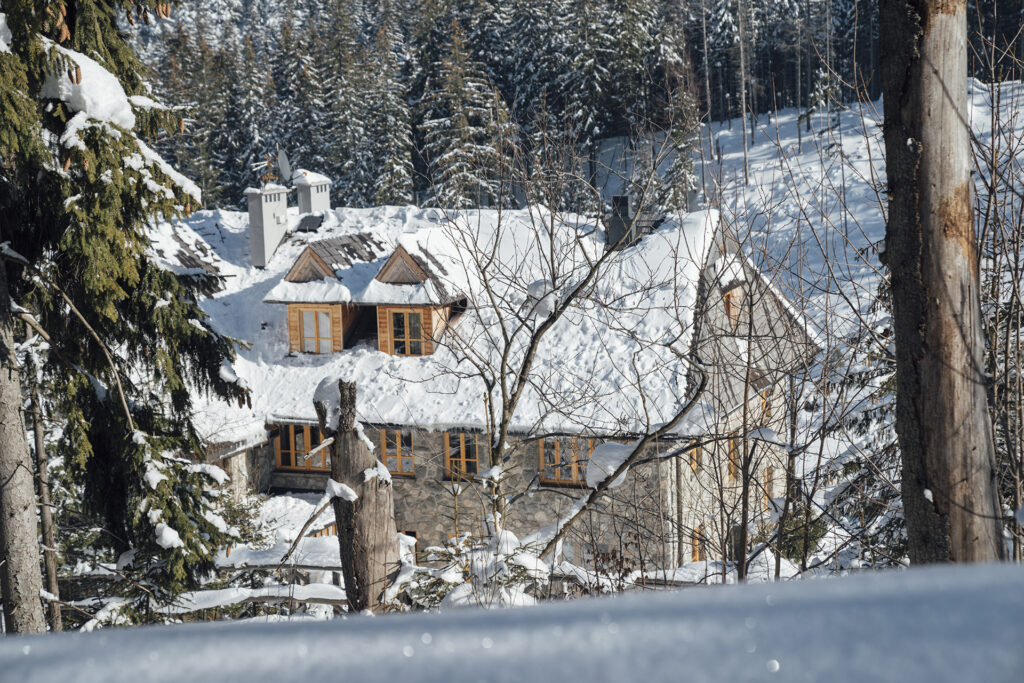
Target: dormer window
[(733, 300), (407, 334), (314, 329)]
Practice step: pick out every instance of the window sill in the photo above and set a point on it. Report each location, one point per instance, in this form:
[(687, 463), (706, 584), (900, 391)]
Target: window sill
[(554, 483)]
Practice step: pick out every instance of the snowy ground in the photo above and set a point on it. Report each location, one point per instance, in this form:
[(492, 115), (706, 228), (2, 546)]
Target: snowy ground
[(941, 624)]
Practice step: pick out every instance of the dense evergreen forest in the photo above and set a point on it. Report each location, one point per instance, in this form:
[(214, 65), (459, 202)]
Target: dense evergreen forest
[(394, 100)]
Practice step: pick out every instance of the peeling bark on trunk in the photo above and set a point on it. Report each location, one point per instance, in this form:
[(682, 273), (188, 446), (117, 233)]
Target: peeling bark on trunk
[(367, 538), (942, 419), (20, 578)]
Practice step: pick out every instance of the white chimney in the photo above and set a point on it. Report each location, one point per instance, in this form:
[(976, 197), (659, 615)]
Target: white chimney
[(268, 220), (314, 191)]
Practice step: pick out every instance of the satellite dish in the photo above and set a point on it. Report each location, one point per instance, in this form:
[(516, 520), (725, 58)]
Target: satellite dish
[(283, 166)]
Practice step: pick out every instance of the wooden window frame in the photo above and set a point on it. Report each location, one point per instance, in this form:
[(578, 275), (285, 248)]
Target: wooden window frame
[(766, 404), (319, 337), (287, 431), (404, 455), (696, 458), (575, 468), (733, 299), (769, 487), (461, 474), (407, 340), (733, 457), (697, 553), (329, 530)]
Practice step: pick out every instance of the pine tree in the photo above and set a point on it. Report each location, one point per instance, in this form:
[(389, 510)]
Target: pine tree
[(129, 346), (247, 118), (462, 116), (386, 153)]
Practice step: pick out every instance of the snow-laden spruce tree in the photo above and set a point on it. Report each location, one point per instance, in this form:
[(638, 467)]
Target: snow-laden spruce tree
[(129, 345), (462, 128)]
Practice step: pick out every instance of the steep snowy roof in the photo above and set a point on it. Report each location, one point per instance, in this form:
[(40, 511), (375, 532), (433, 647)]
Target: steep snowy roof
[(610, 365)]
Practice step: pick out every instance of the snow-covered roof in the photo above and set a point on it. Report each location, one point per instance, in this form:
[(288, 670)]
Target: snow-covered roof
[(587, 369), (268, 187), (302, 177)]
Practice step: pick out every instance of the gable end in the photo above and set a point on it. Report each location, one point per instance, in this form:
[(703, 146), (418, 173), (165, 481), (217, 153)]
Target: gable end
[(401, 269), (308, 267)]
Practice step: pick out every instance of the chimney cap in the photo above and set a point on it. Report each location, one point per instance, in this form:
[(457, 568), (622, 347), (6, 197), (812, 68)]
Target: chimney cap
[(302, 177), (266, 189)]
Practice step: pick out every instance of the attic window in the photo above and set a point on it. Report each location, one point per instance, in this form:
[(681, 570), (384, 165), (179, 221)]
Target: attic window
[(316, 330), (733, 300), (407, 334), (562, 462)]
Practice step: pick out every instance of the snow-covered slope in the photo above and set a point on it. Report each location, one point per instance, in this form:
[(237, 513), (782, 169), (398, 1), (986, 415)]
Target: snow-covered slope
[(942, 624)]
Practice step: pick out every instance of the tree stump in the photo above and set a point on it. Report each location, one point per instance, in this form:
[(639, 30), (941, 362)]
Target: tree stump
[(367, 537)]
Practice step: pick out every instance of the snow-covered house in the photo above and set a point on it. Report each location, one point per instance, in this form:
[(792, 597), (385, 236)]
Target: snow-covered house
[(410, 304)]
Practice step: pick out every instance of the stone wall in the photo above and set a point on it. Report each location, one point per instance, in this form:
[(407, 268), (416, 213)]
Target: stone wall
[(632, 525)]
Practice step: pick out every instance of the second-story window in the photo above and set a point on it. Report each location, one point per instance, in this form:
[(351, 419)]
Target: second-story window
[(564, 461), (734, 457), (407, 333), (396, 446), (696, 459), (462, 455), (733, 300)]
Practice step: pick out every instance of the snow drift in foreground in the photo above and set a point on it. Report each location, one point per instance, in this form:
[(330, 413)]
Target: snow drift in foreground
[(940, 624)]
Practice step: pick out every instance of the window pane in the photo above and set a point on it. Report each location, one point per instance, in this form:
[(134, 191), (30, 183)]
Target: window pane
[(415, 348), (400, 348), (393, 463), (406, 443), (415, 331), (286, 457), (308, 325), (323, 321), (391, 444), (398, 326), (300, 440)]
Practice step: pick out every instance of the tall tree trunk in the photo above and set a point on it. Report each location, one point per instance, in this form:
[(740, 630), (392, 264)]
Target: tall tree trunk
[(367, 538), (45, 516), (949, 472), (20, 578), (741, 23)]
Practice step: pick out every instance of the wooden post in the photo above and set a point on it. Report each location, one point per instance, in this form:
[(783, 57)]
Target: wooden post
[(367, 537), (950, 498)]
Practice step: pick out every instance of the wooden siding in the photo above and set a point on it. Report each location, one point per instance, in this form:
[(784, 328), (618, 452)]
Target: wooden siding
[(401, 269), (308, 267)]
